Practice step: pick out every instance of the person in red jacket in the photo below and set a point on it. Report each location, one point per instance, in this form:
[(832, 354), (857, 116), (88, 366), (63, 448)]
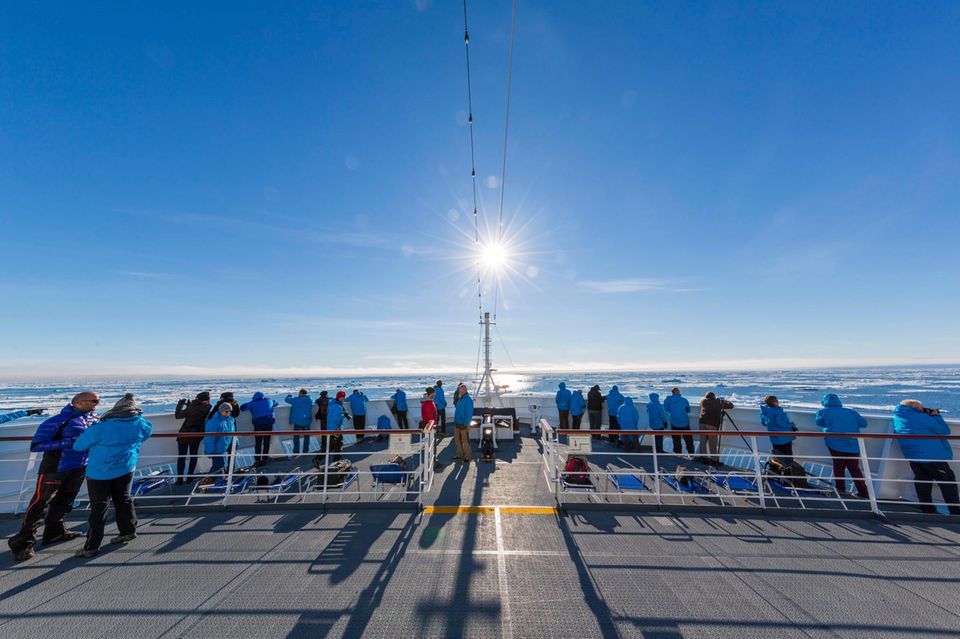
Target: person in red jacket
[(428, 410)]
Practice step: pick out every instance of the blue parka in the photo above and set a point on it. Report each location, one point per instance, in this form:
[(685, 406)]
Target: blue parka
[(400, 401), (678, 408), (628, 416), (655, 415), (334, 415), (113, 445), (358, 403), (834, 418), (70, 423), (577, 403), (383, 423), (9, 417), (563, 398), (775, 420), (439, 398), (614, 401), (218, 424), (301, 410), (910, 421), (464, 413), (261, 409)]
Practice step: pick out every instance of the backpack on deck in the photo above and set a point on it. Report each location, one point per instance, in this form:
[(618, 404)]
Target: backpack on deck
[(337, 473), (577, 470), (790, 473)]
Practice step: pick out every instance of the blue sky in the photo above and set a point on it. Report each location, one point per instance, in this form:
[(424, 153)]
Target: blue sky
[(284, 187)]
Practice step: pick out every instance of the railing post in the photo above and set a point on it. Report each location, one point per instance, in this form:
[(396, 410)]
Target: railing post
[(656, 470), (26, 471), (871, 491), (326, 466), (230, 465), (758, 473)]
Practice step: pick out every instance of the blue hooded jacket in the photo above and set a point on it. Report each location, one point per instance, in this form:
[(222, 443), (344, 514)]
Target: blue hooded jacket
[(563, 397), (678, 408), (114, 445), (775, 420), (383, 423), (358, 403), (464, 413), (614, 401), (334, 415), (655, 414), (70, 423), (577, 403), (261, 409), (627, 416), (910, 421), (218, 424), (439, 398), (301, 410), (9, 417), (834, 418), (400, 401)]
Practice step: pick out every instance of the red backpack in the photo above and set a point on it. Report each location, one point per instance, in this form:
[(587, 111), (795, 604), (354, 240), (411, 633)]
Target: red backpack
[(577, 470)]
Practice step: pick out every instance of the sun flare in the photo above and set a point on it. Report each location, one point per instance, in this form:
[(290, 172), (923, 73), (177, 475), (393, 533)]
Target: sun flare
[(493, 257)]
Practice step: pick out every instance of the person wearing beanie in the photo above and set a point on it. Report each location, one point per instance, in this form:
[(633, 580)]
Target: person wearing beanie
[(194, 415), (334, 422), (113, 446), (323, 403), (428, 409), (216, 446)]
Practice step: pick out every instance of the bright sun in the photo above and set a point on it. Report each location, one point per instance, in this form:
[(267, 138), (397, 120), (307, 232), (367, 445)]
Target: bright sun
[(493, 257)]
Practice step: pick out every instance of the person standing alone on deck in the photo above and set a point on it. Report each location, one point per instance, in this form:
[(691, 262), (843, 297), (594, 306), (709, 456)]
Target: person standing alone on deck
[(577, 406), (261, 410), (461, 422), (614, 401), (194, 415), (563, 406), (358, 409), (114, 446), (845, 451), (678, 408), (301, 417), (400, 408), (441, 401), (60, 476)]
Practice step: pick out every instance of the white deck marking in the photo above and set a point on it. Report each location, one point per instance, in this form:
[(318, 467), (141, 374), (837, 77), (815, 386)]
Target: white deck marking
[(663, 521), (506, 623)]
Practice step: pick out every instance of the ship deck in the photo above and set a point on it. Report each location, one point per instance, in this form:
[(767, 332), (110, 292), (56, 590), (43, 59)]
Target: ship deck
[(490, 555)]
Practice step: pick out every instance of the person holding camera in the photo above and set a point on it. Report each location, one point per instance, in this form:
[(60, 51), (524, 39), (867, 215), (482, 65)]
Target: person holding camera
[(928, 457), (711, 418), (194, 416), (775, 420), (17, 414)]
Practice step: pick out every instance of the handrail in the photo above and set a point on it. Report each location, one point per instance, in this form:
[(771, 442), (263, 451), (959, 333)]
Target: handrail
[(260, 433), (754, 433)]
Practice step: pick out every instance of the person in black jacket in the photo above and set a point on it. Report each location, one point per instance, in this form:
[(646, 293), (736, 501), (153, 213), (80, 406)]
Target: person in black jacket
[(711, 418), (228, 399), (323, 404), (595, 408), (194, 415)]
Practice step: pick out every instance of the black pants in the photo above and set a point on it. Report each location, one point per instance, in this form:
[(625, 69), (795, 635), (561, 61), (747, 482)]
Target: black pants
[(678, 444), (335, 442), (187, 447), (564, 421), (658, 443), (596, 421), (360, 423), (926, 474), (614, 425), (261, 444), (442, 420), (103, 491), (51, 501), (783, 452), (402, 419), (577, 419)]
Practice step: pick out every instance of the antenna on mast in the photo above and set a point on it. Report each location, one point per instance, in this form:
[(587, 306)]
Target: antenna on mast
[(487, 388)]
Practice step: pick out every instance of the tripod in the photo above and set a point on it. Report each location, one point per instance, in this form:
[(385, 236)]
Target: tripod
[(724, 415)]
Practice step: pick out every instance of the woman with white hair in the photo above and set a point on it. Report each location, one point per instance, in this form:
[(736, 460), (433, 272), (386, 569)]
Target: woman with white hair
[(928, 457)]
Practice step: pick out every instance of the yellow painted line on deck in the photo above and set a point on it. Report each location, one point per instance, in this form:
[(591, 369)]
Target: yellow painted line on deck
[(489, 510)]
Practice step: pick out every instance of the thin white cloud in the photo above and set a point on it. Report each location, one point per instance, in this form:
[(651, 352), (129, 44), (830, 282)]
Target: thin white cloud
[(630, 285)]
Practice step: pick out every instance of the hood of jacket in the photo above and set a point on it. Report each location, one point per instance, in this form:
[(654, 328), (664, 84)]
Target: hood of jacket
[(831, 400), (654, 397), (257, 396), (562, 386)]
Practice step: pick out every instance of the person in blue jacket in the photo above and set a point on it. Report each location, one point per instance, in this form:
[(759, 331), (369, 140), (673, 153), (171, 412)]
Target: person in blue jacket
[(563, 406), (440, 400), (261, 411), (656, 418), (301, 417), (400, 408), (358, 409), (678, 410), (113, 446), (578, 404), (60, 475), (216, 446), (335, 417), (775, 420), (928, 457), (628, 418), (17, 414), (845, 451), (461, 423), (614, 401)]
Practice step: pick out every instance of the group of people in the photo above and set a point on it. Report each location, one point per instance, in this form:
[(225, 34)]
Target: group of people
[(927, 457)]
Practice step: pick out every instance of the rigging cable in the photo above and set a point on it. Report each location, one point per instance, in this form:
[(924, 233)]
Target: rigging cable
[(506, 134)]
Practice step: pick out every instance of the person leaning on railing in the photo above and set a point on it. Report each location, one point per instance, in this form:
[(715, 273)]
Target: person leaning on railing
[(775, 420), (678, 408), (845, 451), (656, 419), (114, 446), (300, 417), (563, 406), (194, 415), (928, 457)]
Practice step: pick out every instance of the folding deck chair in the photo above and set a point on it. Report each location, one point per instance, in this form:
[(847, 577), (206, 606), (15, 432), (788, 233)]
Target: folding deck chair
[(150, 482), (628, 482), (279, 486), (219, 486), (695, 486), (391, 475), (340, 489)]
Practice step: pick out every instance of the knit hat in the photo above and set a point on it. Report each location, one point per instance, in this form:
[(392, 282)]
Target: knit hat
[(323, 393), (341, 395), (126, 407), (204, 396)]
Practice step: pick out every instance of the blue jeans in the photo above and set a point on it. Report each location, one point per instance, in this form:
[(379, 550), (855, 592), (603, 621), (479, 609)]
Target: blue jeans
[(296, 440)]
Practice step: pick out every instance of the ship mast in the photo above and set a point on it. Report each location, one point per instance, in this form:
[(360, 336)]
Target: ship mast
[(487, 388)]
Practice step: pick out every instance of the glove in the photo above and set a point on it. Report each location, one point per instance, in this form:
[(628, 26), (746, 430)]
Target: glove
[(35, 411)]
